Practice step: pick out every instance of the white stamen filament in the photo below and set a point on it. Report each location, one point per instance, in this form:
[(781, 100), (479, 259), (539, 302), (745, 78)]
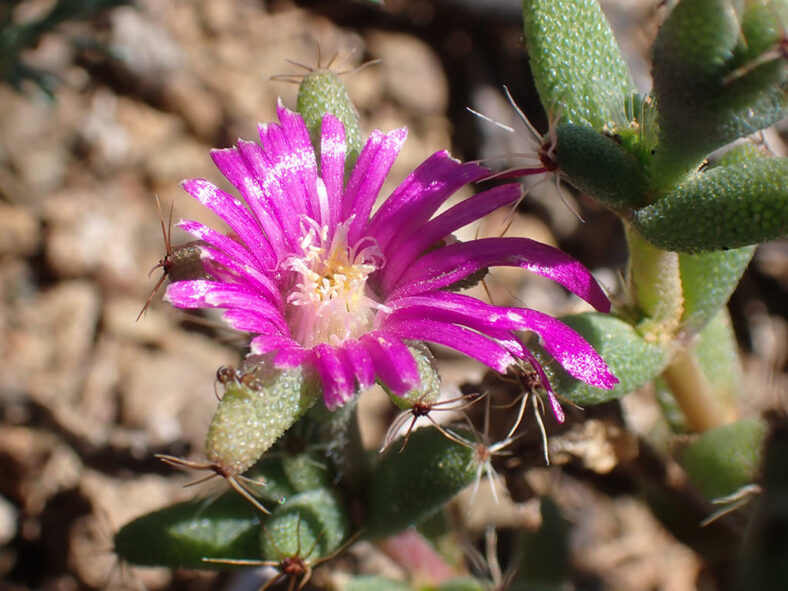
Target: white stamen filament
[(330, 301)]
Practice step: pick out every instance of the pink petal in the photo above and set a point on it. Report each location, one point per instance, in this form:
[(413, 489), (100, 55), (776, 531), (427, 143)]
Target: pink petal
[(235, 215), (276, 199), (558, 412), (216, 294), (420, 195), (403, 249), (362, 363), (249, 321), (456, 337), (266, 343), (393, 361), (452, 263), (514, 346), (226, 268), (286, 167), (294, 356), (372, 167), (302, 153), (335, 374), (243, 168), (570, 349), (332, 165), (562, 342), (218, 241)]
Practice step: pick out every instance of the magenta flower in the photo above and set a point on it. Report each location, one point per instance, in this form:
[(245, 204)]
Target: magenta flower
[(319, 279)]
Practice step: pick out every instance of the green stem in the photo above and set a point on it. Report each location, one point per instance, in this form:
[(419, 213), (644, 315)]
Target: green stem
[(693, 392), (655, 285), (340, 429)]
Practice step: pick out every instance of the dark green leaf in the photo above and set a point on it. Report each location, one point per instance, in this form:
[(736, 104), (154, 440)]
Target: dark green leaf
[(599, 166), (182, 535), (310, 525), (717, 76), (408, 486), (724, 459)]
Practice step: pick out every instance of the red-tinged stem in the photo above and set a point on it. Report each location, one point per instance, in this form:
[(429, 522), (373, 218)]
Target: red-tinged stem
[(416, 555)]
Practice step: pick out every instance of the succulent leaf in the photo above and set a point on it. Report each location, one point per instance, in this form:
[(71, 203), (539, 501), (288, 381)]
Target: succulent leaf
[(306, 470), (723, 460), (320, 92), (599, 166), (718, 75), (408, 486), (310, 525), (249, 420), (718, 356), (575, 61), (181, 535), (633, 360), (725, 207), (708, 280)]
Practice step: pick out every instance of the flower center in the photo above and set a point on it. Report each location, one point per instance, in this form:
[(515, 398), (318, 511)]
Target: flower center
[(330, 301)]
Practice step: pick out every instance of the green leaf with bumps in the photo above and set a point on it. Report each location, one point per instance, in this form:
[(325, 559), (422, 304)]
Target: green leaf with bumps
[(321, 92), (306, 470), (718, 356), (575, 61), (182, 535), (269, 471), (690, 56), (724, 459), (632, 360), (599, 166), (310, 525), (671, 411), (249, 420), (725, 207), (708, 280), (408, 486), (718, 76)]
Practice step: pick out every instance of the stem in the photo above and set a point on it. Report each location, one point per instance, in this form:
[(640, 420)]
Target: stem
[(693, 392), (416, 555), (655, 284), (339, 428)]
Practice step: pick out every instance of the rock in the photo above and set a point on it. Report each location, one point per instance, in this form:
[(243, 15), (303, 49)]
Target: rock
[(169, 394), (94, 231), (48, 340), (8, 521), (412, 73), (20, 232)]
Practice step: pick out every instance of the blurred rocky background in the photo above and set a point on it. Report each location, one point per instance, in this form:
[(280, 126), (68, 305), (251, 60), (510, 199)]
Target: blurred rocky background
[(122, 104)]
